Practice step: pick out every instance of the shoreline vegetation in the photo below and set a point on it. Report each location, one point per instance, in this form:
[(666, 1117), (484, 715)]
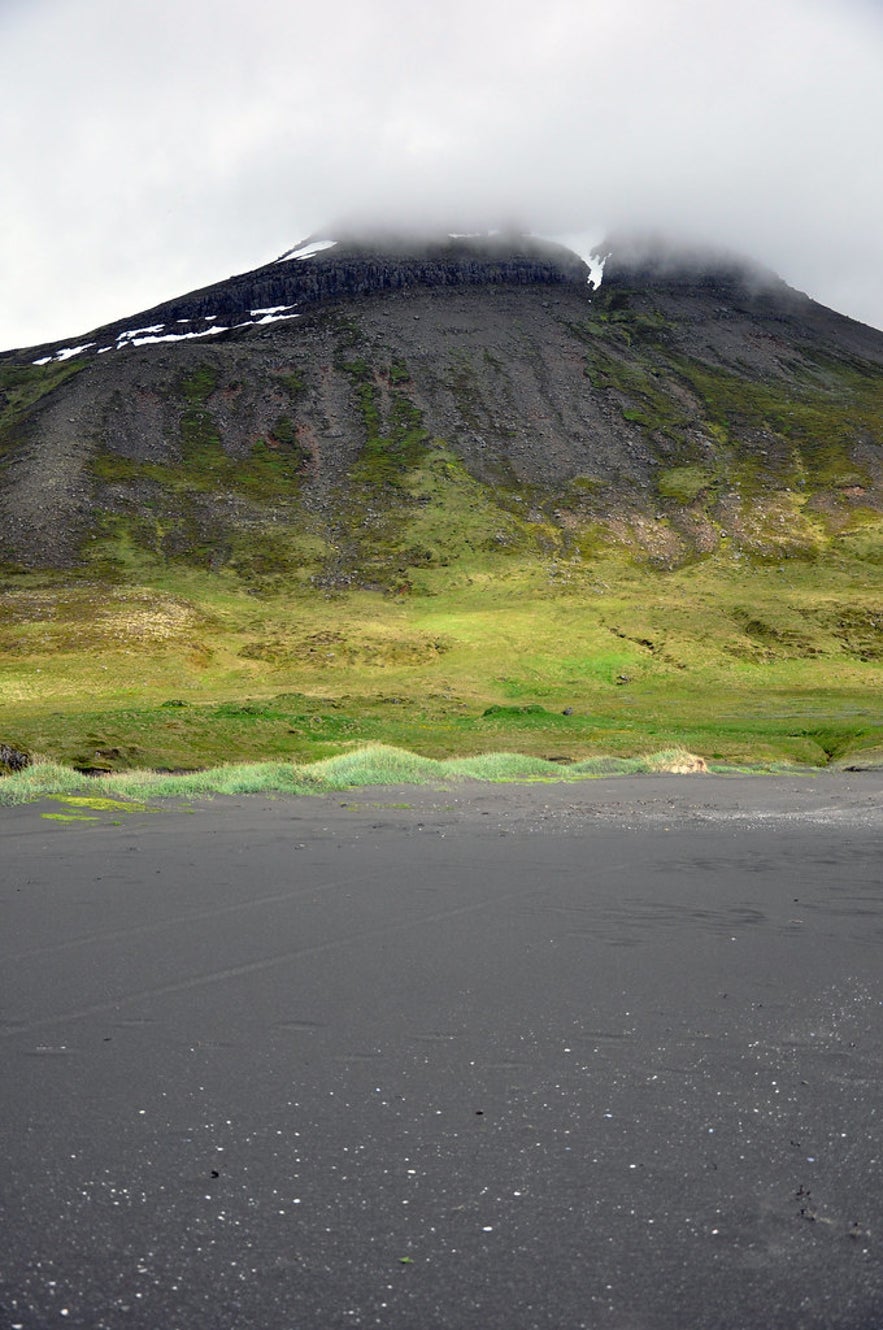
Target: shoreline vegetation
[(372, 765)]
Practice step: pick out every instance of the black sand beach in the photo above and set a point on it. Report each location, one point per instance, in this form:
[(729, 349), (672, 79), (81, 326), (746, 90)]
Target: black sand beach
[(490, 1058)]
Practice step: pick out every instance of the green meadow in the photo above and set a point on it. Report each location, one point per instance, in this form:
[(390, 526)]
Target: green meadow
[(560, 659)]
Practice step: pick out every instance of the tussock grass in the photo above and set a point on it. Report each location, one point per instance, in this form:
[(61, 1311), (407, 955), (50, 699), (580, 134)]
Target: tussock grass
[(374, 764), (676, 760), (47, 780), (506, 767), (238, 778), (610, 766), (40, 781), (377, 764)]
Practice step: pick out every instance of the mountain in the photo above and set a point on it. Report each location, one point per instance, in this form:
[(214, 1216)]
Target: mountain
[(365, 409)]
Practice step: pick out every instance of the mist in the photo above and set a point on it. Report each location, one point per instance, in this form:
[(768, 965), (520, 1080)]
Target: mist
[(151, 149)]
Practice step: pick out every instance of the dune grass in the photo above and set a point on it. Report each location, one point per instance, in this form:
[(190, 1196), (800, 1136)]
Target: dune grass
[(507, 767), (373, 765), (41, 781), (377, 764)]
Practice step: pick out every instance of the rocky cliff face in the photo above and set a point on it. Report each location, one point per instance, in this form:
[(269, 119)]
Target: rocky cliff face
[(321, 408)]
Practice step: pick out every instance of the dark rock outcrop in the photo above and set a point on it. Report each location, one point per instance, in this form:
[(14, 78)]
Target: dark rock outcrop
[(13, 759)]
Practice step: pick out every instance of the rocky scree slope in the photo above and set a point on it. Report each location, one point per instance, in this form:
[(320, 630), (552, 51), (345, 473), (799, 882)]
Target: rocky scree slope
[(354, 414)]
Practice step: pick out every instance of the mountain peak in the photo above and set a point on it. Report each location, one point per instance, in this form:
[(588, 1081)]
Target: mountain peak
[(639, 411), (390, 242), (654, 259), (325, 268)]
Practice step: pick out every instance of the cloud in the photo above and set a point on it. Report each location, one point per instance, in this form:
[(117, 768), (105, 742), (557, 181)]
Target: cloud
[(153, 148)]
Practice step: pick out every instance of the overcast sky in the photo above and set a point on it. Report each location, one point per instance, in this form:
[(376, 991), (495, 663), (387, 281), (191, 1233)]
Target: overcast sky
[(148, 147)]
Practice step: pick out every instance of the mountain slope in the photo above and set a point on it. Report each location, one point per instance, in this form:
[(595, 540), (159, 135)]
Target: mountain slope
[(452, 499), (681, 406)]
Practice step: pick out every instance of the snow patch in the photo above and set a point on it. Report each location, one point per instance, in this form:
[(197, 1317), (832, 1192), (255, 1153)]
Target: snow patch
[(585, 247), (307, 251), (64, 353), (67, 351), (596, 269), (273, 318), (139, 332), (174, 337), (268, 317), (154, 334)]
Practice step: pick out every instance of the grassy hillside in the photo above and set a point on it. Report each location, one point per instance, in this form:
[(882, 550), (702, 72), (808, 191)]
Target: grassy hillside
[(455, 523), (178, 668)]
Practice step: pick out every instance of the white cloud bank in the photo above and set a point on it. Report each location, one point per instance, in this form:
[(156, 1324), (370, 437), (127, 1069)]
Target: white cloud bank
[(148, 149)]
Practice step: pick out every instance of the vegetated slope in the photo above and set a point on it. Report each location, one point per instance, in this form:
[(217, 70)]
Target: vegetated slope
[(446, 496), (413, 403)]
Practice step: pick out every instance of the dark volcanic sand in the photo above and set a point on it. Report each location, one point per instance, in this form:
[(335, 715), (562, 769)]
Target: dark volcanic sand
[(549, 1056)]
